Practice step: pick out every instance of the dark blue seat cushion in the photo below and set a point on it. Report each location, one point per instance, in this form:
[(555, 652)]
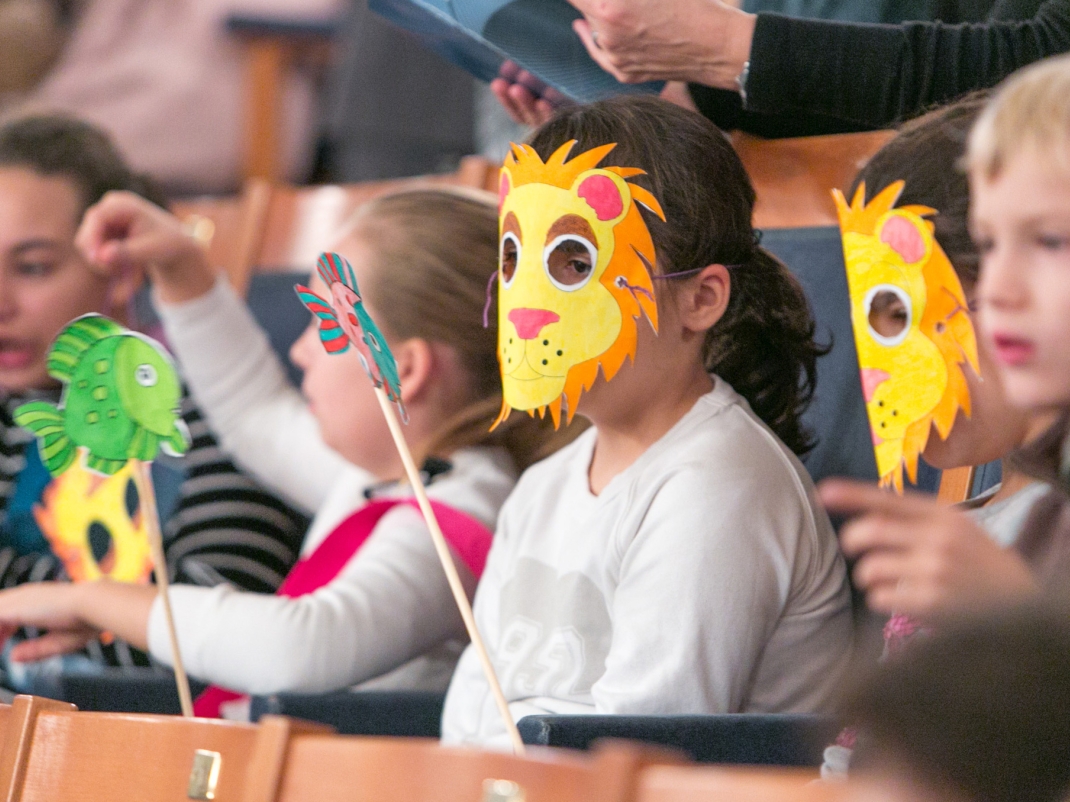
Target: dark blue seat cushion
[(403, 713), (774, 740)]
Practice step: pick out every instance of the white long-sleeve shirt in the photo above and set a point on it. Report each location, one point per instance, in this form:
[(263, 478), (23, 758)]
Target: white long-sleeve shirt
[(389, 608), (703, 579)]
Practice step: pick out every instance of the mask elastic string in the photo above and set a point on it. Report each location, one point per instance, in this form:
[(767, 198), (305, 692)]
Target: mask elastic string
[(490, 299)]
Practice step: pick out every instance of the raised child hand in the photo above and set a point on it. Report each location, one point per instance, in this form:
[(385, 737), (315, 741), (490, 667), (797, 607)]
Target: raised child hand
[(922, 558), (125, 231)]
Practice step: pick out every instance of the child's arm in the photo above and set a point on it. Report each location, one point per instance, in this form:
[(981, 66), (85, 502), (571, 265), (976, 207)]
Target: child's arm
[(74, 614), (227, 359), (389, 605)]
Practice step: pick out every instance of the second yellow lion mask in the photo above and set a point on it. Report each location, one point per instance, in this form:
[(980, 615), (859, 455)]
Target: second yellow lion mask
[(576, 261), (911, 327)]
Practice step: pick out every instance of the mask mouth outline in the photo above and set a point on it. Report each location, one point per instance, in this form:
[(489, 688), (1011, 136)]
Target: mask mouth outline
[(525, 363)]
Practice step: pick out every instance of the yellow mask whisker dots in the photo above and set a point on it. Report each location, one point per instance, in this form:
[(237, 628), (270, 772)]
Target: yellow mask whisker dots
[(911, 327), (574, 276)]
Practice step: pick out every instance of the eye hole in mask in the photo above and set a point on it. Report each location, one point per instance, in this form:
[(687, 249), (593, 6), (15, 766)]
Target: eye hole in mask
[(509, 256), (888, 310), (569, 261)]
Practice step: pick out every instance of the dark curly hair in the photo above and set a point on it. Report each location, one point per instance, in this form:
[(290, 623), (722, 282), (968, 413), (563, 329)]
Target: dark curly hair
[(57, 145), (925, 153), (764, 344)]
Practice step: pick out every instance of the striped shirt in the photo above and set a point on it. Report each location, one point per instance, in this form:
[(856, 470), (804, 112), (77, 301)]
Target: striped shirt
[(224, 528)]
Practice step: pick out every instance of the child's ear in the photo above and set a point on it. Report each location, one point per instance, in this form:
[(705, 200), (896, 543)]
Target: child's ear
[(416, 367), (706, 298)]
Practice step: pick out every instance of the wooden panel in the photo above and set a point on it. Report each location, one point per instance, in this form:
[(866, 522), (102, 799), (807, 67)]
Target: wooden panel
[(302, 222), (86, 757), (956, 485), (417, 770), (724, 784), (794, 178)]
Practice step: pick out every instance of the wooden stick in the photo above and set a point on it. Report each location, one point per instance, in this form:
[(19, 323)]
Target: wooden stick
[(159, 564), (446, 558)]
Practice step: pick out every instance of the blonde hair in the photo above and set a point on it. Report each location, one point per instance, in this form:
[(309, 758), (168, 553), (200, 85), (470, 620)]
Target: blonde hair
[(434, 251), (1030, 111)]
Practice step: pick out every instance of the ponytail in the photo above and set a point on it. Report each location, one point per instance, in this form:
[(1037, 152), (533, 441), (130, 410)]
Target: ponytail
[(764, 346)]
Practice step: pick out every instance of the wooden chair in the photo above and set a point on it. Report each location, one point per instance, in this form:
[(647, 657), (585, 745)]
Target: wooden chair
[(356, 769), (709, 784), (303, 221), (794, 178), (53, 752), (272, 47), (233, 228)]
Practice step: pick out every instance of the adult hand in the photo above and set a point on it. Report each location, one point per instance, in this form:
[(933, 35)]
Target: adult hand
[(527, 99), (44, 605), (125, 230), (922, 558), (704, 41)]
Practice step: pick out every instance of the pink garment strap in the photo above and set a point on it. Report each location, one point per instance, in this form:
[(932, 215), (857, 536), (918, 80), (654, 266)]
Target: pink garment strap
[(468, 538)]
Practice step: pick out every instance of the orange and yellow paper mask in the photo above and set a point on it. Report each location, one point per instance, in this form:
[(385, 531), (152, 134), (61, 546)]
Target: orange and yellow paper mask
[(574, 277), (911, 327)]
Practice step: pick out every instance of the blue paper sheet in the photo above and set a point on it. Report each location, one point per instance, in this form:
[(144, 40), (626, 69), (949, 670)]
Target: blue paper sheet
[(478, 35)]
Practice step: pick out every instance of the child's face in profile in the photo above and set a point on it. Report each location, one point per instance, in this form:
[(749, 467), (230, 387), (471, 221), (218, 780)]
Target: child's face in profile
[(1020, 220), (44, 282)]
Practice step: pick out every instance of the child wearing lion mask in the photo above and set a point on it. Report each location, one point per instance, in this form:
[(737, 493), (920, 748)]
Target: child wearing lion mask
[(673, 558)]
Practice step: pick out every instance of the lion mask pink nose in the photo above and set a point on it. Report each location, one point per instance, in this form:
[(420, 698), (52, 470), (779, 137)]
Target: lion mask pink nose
[(529, 322), (872, 378)]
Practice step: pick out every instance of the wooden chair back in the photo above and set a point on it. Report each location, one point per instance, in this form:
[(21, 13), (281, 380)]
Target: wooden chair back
[(356, 769), (302, 221), (794, 178), (282, 227), (233, 227), (730, 784), (53, 752)]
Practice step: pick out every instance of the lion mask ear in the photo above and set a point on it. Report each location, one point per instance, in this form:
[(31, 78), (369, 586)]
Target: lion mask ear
[(607, 195), (905, 233), (505, 184)]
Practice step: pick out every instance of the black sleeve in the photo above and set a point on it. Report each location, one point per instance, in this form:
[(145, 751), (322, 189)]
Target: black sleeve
[(226, 527), (877, 75), (725, 108)]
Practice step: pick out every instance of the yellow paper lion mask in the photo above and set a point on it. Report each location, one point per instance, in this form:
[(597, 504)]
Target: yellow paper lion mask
[(87, 521), (574, 275), (911, 327)]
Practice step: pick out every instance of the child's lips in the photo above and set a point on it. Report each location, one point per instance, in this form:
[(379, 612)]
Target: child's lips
[(15, 355), (1012, 350)]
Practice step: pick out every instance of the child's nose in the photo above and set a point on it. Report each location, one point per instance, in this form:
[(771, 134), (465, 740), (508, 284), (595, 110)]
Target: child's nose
[(1000, 284), (529, 322)]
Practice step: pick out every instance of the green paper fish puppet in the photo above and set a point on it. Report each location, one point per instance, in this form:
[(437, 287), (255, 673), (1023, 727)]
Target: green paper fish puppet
[(120, 400)]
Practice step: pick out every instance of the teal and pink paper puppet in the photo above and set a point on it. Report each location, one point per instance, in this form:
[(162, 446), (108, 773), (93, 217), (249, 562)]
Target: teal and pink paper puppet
[(343, 321)]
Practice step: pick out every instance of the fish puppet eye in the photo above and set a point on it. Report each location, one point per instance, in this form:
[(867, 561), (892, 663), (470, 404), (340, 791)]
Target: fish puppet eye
[(888, 312), (145, 375)]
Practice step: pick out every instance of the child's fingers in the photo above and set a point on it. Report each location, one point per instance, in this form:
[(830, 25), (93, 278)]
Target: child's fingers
[(881, 568), (850, 497), (877, 532), (51, 644)]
